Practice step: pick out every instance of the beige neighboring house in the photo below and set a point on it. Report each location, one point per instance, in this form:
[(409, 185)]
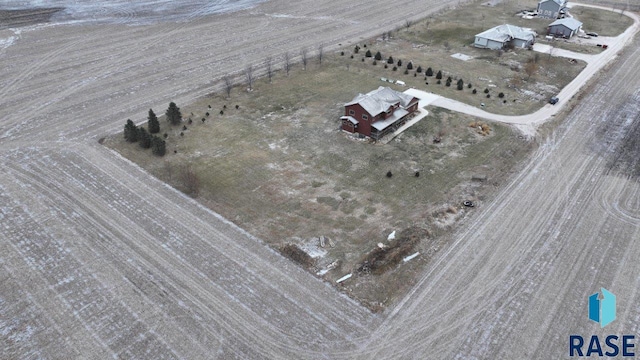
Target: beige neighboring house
[(504, 35)]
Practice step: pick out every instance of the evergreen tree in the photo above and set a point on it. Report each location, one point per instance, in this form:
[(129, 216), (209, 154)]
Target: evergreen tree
[(173, 114), (378, 56), (439, 75), (368, 53), (460, 84), (158, 146), (409, 65), (154, 125), (419, 69), (356, 49), (390, 61), (399, 63), (130, 131), (429, 72), (144, 138)]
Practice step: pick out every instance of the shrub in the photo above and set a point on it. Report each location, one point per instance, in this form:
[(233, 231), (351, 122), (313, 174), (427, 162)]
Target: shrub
[(474, 91), (390, 60), (351, 56), (386, 66), (158, 146), (460, 85), (410, 65), (144, 138), (389, 174), (469, 85), (395, 68), (439, 75), (449, 79), (406, 71), (419, 69), (378, 56), (504, 101), (429, 72), (355, 50), (375, 62), (488, 96), (448, 83), (341, 53), (486, 91), (399, 62), (501, 95), (439, 82), (362, 59), (368, 53), (293, 252)]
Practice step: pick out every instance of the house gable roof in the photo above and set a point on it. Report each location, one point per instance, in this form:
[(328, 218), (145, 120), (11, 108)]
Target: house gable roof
[(506, 32), (381, 99), (559, 2), (570, 23)]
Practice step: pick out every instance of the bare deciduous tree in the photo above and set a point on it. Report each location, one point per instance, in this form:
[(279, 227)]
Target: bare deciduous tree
[(530, 68), (320, 53), (190, 181), (304, 55), (228, 85), (287, 63), (269, 65), (248, 73)]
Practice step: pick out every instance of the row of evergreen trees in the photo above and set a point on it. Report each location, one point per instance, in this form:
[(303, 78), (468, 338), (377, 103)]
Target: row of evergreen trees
[(145, 138)]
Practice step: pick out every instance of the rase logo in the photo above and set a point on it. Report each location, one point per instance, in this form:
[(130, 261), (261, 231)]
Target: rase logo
[(602, 309)]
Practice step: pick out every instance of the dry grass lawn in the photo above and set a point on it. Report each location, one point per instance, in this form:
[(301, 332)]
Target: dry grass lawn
[(279, 166)]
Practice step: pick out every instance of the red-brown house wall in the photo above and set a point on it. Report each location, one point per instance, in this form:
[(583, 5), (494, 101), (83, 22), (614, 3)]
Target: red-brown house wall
[(364, 126)]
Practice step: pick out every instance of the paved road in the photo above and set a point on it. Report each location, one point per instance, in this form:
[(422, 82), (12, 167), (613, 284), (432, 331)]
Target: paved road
[(528, 123), (101, 260)]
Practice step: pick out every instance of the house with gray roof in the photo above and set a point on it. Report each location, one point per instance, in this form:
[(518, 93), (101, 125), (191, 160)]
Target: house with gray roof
[(505, 35), (551, 9), (378, 112), (565, 28)]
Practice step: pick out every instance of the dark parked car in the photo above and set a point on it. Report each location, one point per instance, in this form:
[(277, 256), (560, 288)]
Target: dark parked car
[(554, 100), (592, 34)]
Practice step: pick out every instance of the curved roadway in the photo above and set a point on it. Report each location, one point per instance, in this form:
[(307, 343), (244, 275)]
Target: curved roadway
[(101, 260)]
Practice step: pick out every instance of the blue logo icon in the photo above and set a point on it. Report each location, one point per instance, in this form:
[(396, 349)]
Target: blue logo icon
[(603, 310)]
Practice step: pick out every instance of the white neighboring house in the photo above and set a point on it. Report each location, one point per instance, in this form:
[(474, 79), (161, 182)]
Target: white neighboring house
[(566, 27), (503, 35), (551, 9)]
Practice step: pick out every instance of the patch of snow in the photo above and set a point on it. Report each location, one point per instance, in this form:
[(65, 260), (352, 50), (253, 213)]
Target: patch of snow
[(392, 235), (462, 57), (410, 257)]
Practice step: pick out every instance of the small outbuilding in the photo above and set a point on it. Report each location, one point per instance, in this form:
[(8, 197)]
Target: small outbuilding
[(505, 35), (551, 9), (378, 112), (565, 28)]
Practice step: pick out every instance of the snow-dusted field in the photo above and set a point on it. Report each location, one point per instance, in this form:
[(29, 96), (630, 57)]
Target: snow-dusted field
[(100, 260)]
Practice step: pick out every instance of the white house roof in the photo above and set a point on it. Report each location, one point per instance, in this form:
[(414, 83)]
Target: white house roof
[(506, 32), (570, 23), (383, 124), (559, 2), (379, 100), (351, 119)]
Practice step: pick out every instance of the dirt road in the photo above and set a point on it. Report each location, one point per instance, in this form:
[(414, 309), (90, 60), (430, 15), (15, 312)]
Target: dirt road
[(101, 260)]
